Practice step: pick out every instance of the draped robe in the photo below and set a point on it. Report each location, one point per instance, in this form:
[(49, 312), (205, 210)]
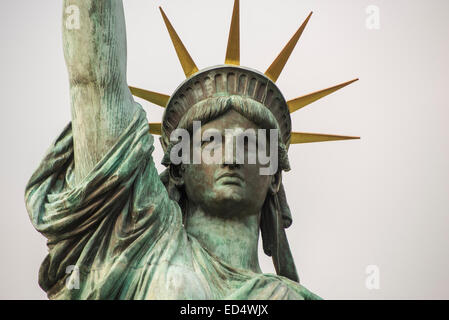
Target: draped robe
[(117, 235)]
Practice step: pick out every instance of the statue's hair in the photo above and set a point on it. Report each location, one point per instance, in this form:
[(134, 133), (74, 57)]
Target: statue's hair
[(212, 108)]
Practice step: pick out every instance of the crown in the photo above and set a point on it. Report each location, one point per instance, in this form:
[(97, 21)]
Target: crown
[(226, 80), (233, 79)]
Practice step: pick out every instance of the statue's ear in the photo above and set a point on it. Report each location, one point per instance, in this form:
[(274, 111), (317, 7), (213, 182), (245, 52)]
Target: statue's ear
[(276, 181), (176, 174)]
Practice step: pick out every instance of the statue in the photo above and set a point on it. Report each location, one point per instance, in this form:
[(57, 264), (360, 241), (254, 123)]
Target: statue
[(116, 229)]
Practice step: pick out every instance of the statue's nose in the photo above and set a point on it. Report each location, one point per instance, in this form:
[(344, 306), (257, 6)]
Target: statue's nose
[(233, 165), (231, 161), (230, 154)]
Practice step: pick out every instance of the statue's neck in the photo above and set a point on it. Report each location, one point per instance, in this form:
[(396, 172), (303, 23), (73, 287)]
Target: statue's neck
[(233, 240)]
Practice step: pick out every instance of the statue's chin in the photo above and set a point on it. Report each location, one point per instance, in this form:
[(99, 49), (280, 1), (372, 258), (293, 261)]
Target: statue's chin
[(229, 200), (230, 193)]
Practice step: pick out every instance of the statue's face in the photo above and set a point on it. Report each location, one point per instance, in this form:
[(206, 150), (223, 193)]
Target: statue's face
[(227, 189)]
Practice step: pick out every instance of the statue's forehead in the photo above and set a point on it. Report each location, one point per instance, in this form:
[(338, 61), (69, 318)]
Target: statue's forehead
[(231, 121)]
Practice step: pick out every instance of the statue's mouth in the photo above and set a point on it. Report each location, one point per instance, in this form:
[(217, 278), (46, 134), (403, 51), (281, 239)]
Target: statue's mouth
[(230, 178)]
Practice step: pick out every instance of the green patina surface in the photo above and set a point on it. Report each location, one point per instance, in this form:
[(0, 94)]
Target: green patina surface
[(118, 230)]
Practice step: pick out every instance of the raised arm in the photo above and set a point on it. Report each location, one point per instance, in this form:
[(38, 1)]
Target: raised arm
[(95, 53)]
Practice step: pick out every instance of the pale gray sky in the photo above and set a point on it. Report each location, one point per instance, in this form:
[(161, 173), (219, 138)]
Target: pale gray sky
[(383, 200)]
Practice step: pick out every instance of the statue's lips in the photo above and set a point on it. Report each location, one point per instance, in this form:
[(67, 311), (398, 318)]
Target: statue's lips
[(230, 178)]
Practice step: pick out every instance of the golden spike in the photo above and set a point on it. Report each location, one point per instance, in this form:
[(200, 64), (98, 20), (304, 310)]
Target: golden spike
[(301, 137), (156, 128), (153, 97), (233, 50), (301, 102), (184, 57), (278, 65)]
